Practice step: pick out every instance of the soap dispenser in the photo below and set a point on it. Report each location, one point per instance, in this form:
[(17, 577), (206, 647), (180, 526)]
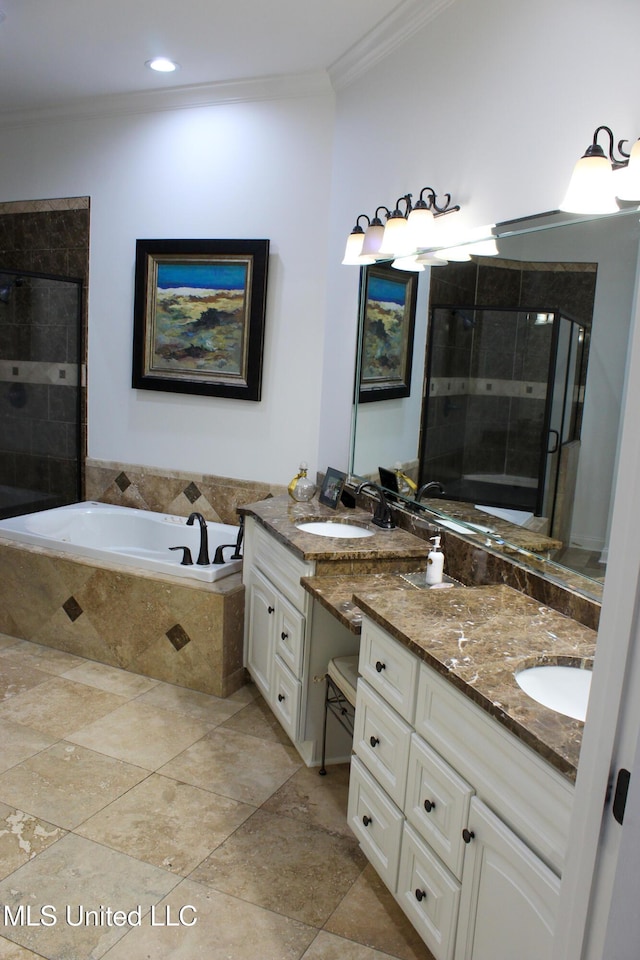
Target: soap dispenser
[(301, 487), (435, 563)]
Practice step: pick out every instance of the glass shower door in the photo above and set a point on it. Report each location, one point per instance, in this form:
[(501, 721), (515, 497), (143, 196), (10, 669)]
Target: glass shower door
[(40, 371)]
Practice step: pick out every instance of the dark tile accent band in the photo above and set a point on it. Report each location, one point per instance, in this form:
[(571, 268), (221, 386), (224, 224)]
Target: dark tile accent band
[(178, 636), (72, 609), (192, 493)]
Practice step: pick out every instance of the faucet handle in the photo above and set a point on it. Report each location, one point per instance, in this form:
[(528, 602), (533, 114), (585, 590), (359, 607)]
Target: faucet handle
[(187, 559)]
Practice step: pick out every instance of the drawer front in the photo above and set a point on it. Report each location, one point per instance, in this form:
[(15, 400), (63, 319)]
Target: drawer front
[(281, 566), (437, 803), (389, 668), (290, 636), (376, 822), (381, 739), (287, 696), (428, 894), (525, 791)]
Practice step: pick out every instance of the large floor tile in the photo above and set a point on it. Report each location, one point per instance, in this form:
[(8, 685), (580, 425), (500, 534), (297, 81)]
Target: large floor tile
[(22, 837), (111, 679), (192, 703), (321, 801), (17, 677), (66, 783), (226, 928), (327, 946), (140, 733), (19, 742), (77, 875), (13, 951), (42, 657), (257, 720), (284, 865), (371, 916), (58, 706), (170, 824), (235, 765)]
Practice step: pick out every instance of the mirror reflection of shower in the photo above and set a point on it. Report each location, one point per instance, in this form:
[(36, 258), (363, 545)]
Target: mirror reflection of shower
[(40, 363)]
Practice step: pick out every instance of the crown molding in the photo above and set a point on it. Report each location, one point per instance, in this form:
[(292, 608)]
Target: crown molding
[(394, 30), (177, 98)]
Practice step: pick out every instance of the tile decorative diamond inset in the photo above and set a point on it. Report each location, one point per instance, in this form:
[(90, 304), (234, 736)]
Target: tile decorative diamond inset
[(72, 609), (178, 636), (122, 481), (192, 493)]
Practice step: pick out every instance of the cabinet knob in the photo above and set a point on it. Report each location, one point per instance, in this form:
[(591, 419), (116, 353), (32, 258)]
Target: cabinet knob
[(270, 609), (380, 666), (429, 805), (283, 635), (467, 835), (420, 895), (367, 820), (374, 741), (281, 697)]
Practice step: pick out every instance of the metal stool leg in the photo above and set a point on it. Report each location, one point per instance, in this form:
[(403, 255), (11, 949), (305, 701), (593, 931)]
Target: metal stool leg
[(322, 771)]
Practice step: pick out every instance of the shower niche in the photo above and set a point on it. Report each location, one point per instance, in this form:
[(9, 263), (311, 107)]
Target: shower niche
[(40, 391), (504, 393)]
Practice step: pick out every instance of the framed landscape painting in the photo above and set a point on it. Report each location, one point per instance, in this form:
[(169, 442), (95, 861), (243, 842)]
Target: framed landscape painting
[(388, 308), (199, 316)]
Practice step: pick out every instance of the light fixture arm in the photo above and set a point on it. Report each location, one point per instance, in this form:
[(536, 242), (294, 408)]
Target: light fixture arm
[(445, 208), (595, 150)]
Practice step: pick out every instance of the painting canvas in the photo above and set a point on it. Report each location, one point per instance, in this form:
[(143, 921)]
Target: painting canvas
[(199, 316), (388, 306)]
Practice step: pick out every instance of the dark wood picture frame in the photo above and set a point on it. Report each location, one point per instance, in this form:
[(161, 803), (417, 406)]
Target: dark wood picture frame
[(388, 310), (199, 315)]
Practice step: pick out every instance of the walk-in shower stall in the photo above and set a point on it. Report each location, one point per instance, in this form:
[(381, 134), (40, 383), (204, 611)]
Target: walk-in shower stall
[(503, 405), (40, 396)]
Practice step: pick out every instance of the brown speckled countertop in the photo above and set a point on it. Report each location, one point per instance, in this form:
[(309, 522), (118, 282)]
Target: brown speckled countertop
[(384, 548), (477, 638), (521, 538)]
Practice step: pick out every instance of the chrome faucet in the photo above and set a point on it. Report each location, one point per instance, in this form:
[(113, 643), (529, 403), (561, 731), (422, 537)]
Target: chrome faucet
[(203, 555), (428, 486), (382, 516)]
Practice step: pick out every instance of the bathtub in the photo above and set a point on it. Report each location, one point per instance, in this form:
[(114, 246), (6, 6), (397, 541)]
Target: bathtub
[(124, 536)]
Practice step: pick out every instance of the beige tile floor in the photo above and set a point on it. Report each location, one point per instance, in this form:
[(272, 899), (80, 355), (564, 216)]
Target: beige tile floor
[(191, 815)]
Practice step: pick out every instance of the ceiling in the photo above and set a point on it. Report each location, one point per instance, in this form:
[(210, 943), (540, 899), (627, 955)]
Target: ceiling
[(55, 52)]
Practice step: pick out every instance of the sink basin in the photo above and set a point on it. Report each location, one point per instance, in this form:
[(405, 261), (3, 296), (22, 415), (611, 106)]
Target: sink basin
[(561, 687), (333, 528)]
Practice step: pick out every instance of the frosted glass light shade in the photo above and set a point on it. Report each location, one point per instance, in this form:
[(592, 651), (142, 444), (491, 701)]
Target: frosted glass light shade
[(591, 188), (372, 240), (396, 241), (353, 251), (408, 263), (627, 180), (421, 227)]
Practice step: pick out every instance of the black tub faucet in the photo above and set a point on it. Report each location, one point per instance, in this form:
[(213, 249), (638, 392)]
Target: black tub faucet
[(203, 555)]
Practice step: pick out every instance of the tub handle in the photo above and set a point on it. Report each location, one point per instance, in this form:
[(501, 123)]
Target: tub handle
[(187, 560)]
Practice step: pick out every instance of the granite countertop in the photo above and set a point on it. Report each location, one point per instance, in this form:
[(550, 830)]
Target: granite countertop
[(477, 638), (516, 536), (280, 516)]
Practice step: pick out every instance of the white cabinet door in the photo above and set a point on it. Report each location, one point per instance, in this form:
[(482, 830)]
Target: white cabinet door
[(509, 896), (261, 610)]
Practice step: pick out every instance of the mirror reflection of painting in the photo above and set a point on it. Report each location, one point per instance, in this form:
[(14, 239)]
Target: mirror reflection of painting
[(200, 316), (387, 337)]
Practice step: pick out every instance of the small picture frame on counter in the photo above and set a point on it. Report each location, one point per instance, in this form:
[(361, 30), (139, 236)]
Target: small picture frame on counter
[(332, 487)]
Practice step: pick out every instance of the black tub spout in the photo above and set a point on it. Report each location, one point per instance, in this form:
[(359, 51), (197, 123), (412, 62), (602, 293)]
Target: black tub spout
[(203, 555)]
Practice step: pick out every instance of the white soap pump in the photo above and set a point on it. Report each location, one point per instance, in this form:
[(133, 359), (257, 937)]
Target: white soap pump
[(435, 563)]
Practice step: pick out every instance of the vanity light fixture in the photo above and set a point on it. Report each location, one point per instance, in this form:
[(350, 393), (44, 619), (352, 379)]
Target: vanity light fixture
[(405, 232), (599, 178), (162, 65)]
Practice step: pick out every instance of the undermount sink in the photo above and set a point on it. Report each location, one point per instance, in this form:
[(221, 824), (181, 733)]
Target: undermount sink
[(561, 687), (333, 528)]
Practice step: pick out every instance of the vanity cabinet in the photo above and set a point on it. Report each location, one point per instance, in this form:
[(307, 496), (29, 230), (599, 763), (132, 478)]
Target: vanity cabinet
[(289, 641), (465, 824)]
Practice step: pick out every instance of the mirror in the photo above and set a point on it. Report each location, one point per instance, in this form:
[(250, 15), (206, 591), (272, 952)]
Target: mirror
[(562, 260)]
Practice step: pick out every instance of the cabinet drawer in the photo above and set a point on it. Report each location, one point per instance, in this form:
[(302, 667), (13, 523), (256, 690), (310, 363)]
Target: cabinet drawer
[(437, 803), (376, 822), (290, 636), (390, 668), (529, 795), (287, 695), (381, 739), (282, 567), (428, 894)]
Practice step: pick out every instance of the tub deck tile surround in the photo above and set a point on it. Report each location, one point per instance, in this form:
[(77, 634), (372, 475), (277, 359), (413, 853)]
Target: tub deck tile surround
[(126, 619)]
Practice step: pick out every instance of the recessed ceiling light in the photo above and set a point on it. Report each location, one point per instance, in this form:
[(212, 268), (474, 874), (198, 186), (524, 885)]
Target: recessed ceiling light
[(162, 65)]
